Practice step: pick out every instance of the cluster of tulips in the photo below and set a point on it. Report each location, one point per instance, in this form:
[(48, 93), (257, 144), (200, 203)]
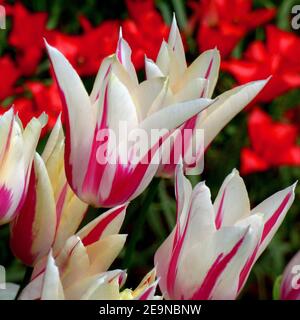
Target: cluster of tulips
[(44, 197)]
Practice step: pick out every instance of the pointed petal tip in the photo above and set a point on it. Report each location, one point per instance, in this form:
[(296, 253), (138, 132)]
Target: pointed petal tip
[(43, 119), (235, 171), (201, 186), (262, 82), (174, 21), (120, 33)]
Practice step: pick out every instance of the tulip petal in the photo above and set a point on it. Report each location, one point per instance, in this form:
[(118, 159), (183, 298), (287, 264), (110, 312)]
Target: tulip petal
[(222, 259), (76, 102), (147, 93), (123, 54), (110, 247), (226, 107), (174, 115), (274, 210), (176, 45), (33, 231), (106, 224), (206, 66), (233, 190), (148, 293), (52, 288), (152, 70)]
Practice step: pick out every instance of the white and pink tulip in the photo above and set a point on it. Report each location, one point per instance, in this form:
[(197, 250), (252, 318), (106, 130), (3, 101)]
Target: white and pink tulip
[(213, 246), (78, 270), (51, 212), (51, 285), (116, 97), (197, 80), (17, 148)]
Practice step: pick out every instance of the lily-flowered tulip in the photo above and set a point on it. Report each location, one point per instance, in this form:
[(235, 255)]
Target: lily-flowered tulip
[(79, 268), (17, 148), (213, 247), (191, 82), (51, 285), (51, 212), (290, 283), (116, 97)]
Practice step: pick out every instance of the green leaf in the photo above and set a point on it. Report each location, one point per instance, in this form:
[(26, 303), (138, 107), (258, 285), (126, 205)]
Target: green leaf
[(276, 288)]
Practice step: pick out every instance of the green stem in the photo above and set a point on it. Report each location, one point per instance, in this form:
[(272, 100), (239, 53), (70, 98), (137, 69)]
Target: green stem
[(140, 222), (25, 280)]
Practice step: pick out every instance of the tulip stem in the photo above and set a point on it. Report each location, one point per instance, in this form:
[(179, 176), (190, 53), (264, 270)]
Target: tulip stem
[(25, 280), (140, 222)]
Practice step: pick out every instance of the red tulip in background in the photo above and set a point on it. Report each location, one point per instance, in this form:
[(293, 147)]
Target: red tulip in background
[(35, 99), (83, 51), (278, 57), (223, 24), (293, 115), (138, 30), (26, 36), (272, 144), (8, 77)]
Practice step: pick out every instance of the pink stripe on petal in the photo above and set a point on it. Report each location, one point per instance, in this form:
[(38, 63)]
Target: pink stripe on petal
[(68, 142), (148, 292), (246, 269), (214, 273), (96, 233), (119, 51), (60, 203), (273, 219), (21, 228), (95, 170), (177, 248), (207, 74), (128, 178), (220, 212), (208, 71), (5, 201), (267, 228), (180, 145)]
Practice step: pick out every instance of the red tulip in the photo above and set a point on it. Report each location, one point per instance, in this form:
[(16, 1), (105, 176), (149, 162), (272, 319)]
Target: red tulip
[(28, 30), (8, 76), (36, 99), (86, 51), (223, 24), (277, 57), (138, 30), (272, 144), (293, 115)]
